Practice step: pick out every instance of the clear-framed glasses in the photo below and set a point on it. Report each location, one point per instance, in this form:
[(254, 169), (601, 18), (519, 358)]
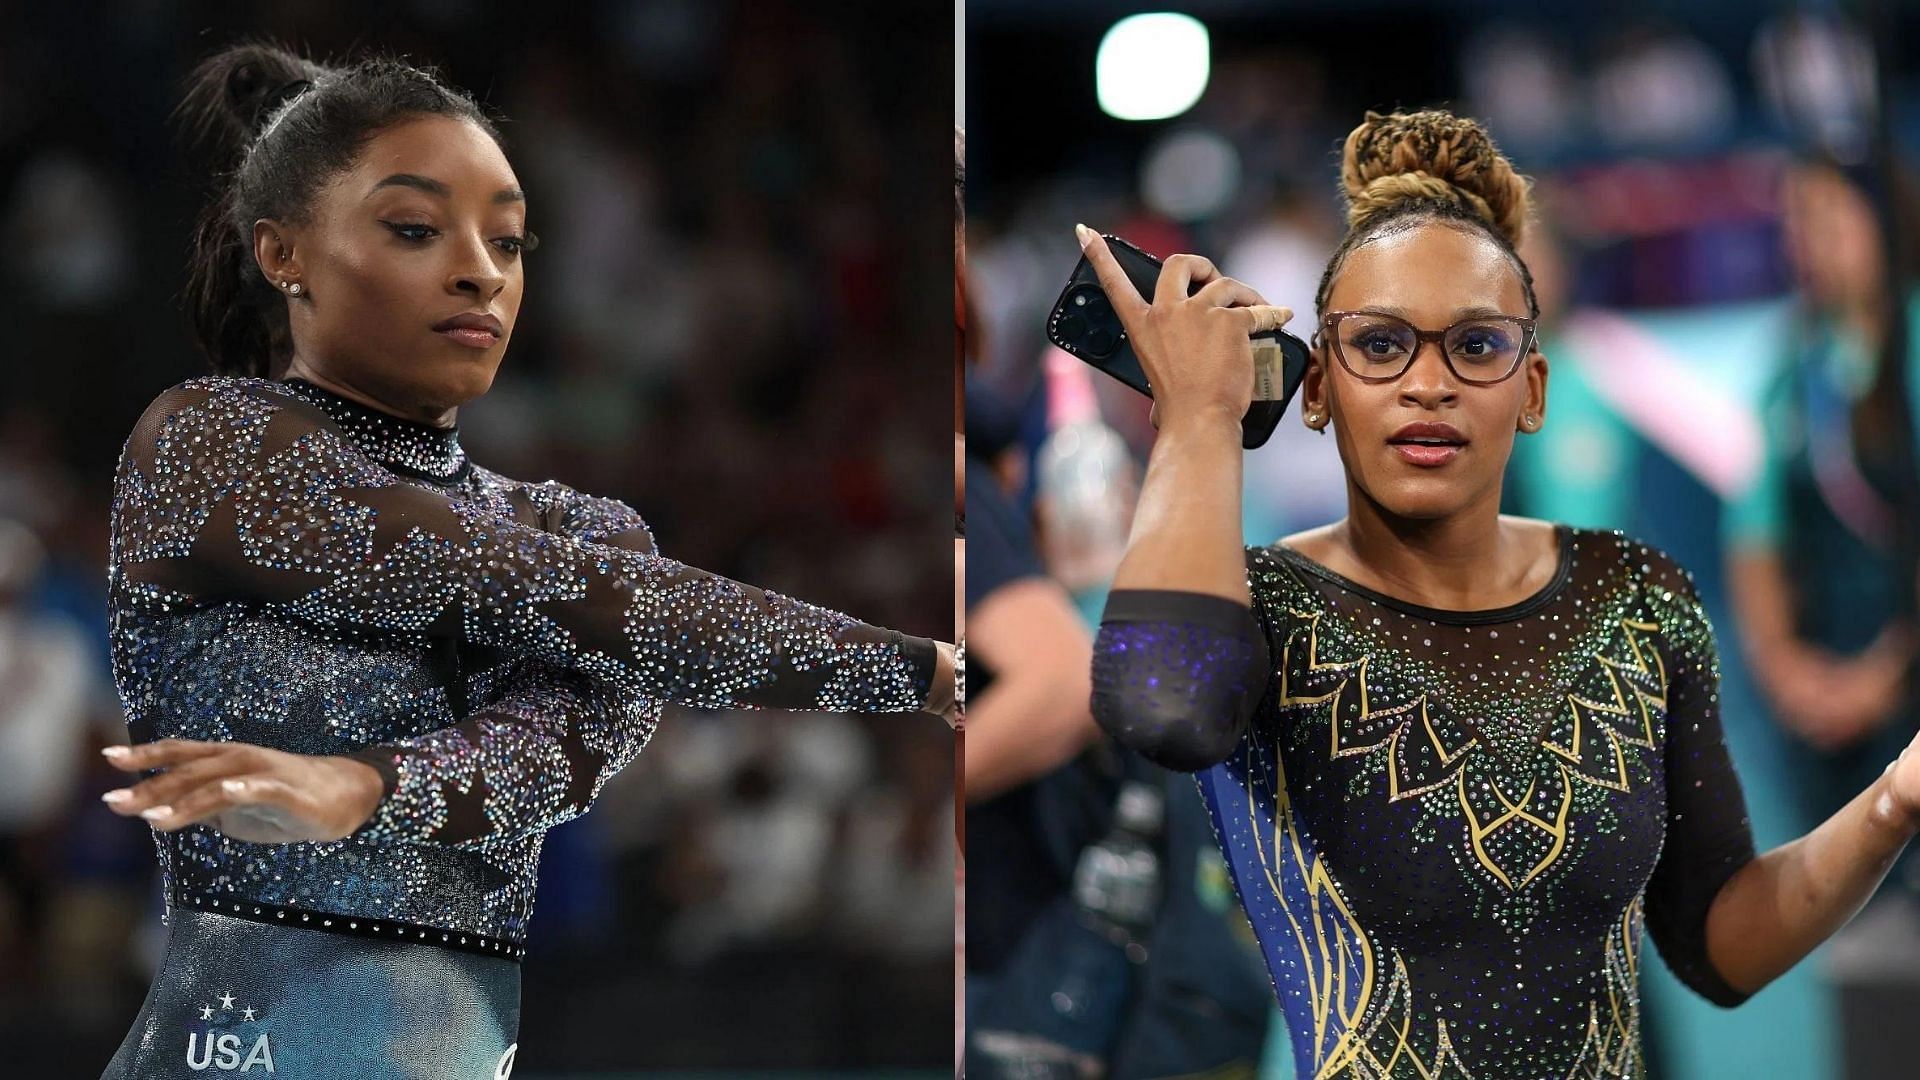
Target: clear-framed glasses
[(1379, 348)]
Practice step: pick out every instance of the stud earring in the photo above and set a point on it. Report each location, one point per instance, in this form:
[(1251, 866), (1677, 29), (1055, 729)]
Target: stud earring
[(293, 289)]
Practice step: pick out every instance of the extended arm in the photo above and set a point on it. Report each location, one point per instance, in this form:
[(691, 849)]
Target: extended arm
[(535, 758), (254, 495), (1727, 921), (1783, 904)]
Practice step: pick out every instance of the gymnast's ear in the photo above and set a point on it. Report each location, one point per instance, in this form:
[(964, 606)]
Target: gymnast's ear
[(275, 251)]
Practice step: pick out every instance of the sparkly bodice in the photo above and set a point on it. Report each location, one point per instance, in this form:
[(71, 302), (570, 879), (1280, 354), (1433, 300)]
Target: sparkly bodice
[(292, 569), (1448, 829)]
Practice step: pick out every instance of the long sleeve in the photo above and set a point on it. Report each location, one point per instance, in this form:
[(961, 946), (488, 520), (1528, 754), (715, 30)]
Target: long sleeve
[(1177, 675), (537, 757), (267, 501), (1708, 834)]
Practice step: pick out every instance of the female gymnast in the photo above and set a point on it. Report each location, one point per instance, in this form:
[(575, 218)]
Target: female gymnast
[(1456, 760), (371, 672)]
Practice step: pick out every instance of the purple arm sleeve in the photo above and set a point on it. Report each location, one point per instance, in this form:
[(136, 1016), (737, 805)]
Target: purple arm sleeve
[(1177, 675)]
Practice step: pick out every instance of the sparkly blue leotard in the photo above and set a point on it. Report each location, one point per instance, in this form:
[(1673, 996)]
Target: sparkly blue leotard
[(292, 569)]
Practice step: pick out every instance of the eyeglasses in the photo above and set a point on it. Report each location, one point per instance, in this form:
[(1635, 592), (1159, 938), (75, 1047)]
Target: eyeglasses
[(1378, 348)]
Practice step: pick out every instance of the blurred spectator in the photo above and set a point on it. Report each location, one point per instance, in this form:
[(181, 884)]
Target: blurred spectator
[(1578, 467), (48, 675), (54, 704), (893, 887), (1028, 656), (1821, 543), (1660, 87)]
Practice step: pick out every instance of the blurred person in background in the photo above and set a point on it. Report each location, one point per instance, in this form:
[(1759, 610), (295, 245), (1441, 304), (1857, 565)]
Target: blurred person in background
[(1026, 645), (320, 247), (1026, 701), (1577, 470), (1821, 544), (49, 689), (1027, 711), (1456, 760), (1101, 929), (1101, 934)]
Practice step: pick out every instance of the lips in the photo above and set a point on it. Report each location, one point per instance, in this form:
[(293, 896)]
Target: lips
[(1429, 444), (1429, 433), (471, 320)]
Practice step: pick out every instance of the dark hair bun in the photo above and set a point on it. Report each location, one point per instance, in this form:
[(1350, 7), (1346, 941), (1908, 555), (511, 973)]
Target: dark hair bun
[(1432, 155), (232, 94)]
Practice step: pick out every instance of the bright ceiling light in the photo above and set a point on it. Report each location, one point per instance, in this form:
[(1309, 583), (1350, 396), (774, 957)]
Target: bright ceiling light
[(1151, 67)]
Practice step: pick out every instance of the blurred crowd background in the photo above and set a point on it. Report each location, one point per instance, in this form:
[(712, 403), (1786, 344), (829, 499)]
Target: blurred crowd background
[(1723, 252), (729, 325)]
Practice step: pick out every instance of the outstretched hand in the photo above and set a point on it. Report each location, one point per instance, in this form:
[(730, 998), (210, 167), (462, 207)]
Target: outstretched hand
[(248, 792)]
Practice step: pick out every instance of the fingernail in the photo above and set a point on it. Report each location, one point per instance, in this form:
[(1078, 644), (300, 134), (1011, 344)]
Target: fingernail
[(155, 813), (116, 796), (234, 787), (114, 753), (1085, 235)]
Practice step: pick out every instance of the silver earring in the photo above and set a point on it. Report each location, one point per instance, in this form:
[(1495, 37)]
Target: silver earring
[(294, 289)]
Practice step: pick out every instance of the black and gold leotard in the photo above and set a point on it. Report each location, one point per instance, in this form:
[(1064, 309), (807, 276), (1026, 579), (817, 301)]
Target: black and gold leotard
[(1448, 829)]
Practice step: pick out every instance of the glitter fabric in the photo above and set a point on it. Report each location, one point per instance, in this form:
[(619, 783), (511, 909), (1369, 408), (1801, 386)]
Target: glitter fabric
[(318, 1006), (295, 570), (1448, 828), (1171, 669)]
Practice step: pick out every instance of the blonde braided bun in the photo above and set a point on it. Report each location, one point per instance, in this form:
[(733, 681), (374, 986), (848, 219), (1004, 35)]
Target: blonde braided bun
[(1431, 158)]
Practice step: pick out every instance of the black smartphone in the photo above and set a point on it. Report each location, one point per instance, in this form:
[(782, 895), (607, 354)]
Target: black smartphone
[(1084, 323)]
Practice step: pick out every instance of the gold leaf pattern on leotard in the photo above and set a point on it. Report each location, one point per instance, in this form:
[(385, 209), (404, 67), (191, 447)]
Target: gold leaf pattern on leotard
[(1612, 1047), (1515, 796), (1364, 1029)]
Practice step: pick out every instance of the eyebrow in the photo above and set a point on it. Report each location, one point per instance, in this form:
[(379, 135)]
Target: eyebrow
[(434, 187), (1474, 311)]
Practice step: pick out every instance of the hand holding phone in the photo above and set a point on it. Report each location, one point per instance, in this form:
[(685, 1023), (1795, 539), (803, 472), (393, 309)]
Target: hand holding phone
[(1199, 333)]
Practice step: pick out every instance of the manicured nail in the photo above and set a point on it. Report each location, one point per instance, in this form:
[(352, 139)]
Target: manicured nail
[(115, 753), (234, 787), (155, 813), (117, 796), (1085, 234)]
